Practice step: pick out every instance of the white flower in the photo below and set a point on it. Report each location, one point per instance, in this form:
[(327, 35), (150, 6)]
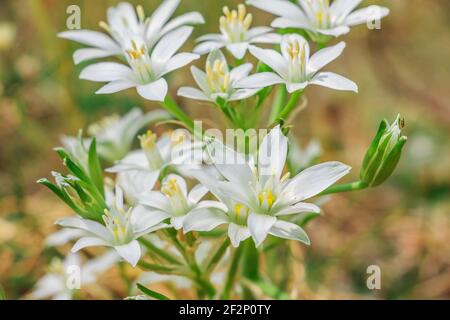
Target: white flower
[(295, 68), (318, 16), (218, 80), (121, 229), (236, 34), (147, 66), (56, 283), (139, 170), (174, 201), (124, 22), (256, 196), (114, 135)]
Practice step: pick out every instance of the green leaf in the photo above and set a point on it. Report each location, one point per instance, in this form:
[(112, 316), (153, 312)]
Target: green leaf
[(151, 293), (95, 170), (2, 294), (58, 192)]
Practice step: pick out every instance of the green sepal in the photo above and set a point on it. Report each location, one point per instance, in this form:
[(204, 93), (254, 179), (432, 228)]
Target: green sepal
[(373, 147), (95, 170)]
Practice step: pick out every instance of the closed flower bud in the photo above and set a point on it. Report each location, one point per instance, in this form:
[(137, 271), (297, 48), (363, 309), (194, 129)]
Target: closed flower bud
[(384, 153)]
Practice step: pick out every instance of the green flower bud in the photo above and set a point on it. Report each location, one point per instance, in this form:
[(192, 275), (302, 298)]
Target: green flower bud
[(384, 153)]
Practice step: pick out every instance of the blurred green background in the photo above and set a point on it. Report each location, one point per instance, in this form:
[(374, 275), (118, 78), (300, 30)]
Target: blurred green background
[(403, 226)]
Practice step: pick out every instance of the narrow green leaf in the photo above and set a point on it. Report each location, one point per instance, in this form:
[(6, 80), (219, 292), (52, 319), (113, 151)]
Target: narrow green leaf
[(95, 170), (2, 293), (151, 293)]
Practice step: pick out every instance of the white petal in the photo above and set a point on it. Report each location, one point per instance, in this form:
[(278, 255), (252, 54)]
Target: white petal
[(317, 178), (335, 32), (88, 242), (154, 91), (63, 236), (161, 15), (177, 222), (105, 72), (208, 204), (238, 50), (216, 37), (192, 93), (179, 61), (197, 193), (200, 78), (243, 94), (272, 58), (170, 43), (342, 8), (180, 182), (130, 252), (237, 233), (91, 38), (279, 7), (259, 80), (258, 31), (270, 38), (292, 87), (272, 154), (189, 18), (136, 183), (290, 23), (287, 230), (85, 54), (325, 56), (207, 46), (86, 225), (334, 81), (204, 220), (143, 218), (156, 200), (116, 86), (241, 71), (299, 208), (259, 225), (366, 15)]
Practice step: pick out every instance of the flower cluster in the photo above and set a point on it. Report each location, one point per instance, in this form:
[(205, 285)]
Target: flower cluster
[(186, 184)]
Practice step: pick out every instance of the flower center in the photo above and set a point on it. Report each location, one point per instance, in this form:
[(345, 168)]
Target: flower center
[(117, 221), (235, 24), (148, 145), (266, 199), (321, 11), (296, 53), (176, 197), (139, 60), (241, 213), (217, 76)]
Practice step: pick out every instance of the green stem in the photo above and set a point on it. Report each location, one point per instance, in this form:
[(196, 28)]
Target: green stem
[(291, 104), (215, 259), (170, 105), (161, 253), (162, 269), (358, 185), (232, 272), (279, 101)]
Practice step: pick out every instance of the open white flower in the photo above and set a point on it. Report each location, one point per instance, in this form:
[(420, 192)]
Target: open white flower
[(123, 23), (295, 68), (57, 283), (236, 34), (114, 135), (121, 229), (258, 196), (218, 80), (139, 170), (175, 202), (147, 66), (319, 16)]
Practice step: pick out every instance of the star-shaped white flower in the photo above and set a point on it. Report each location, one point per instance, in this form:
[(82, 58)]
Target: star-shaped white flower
[(175, 202), (121, 228), (295, 68), (146, 66), (124, 23), (258, 196), (236, 34), (319, 16), (218, 81)]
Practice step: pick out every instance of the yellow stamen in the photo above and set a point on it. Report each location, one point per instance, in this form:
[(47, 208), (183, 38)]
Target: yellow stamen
[(148, 141)]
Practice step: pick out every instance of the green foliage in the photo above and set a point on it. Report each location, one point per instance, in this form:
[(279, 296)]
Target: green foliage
[(151, 293)]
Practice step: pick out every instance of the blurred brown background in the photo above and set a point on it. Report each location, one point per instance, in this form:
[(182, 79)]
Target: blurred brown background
[(403, 226)]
